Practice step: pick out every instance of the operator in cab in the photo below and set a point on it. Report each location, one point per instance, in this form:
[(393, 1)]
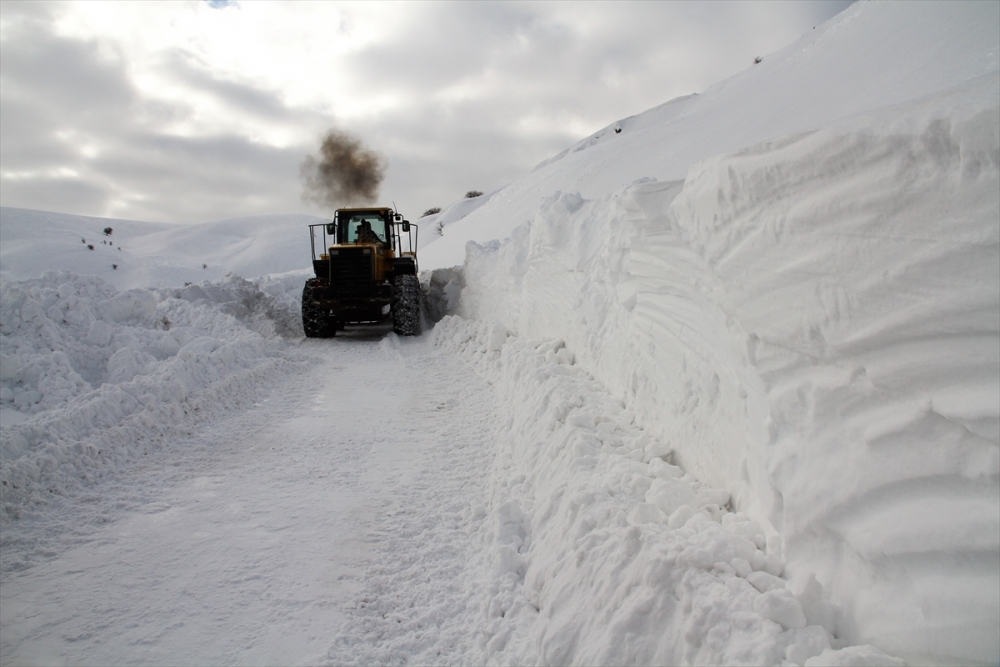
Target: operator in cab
[(366, 235)]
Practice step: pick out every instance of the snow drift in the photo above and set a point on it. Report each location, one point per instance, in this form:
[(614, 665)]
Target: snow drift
[(831, 360)]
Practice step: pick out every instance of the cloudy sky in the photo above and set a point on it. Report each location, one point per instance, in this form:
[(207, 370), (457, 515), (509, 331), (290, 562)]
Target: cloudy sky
[(190, 111)]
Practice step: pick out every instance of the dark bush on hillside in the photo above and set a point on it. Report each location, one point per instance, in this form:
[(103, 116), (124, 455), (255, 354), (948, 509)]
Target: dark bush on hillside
[(431, 211), (107, 231), (472, 194)]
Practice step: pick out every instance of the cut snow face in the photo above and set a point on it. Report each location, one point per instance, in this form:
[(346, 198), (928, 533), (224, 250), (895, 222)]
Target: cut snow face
[(598, 550), (812, 322)]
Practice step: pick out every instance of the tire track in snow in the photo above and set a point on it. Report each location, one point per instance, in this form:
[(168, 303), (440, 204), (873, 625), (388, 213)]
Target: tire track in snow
[(423, 587)]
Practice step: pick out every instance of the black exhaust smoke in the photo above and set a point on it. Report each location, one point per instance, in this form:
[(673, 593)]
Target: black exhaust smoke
[(347, 172)]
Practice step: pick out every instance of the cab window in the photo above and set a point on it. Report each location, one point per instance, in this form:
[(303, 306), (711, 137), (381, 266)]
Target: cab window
[(353, 224)]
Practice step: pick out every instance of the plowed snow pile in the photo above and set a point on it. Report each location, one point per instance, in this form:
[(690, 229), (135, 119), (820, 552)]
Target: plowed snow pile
[(602, 552), (111, 374), (811, 323)]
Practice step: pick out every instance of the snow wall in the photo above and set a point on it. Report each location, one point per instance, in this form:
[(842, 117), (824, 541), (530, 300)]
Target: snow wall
[(812, 324)]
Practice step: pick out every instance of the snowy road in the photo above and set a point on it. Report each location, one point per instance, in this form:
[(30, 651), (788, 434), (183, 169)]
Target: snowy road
[(343, 494)]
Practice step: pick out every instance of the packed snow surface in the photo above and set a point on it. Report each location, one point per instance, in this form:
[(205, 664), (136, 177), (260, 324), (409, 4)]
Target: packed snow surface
[(721, 388), (374, 502)]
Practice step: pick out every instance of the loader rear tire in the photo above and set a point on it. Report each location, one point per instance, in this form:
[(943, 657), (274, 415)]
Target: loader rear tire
[(315, 322), (406, 306)]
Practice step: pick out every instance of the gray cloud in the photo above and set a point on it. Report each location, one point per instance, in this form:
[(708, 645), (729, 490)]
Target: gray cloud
[(29, 142), (51, 192), (199, 77), (199, 179), (77, 137), (488, 91), (76, 77), (550, 80)]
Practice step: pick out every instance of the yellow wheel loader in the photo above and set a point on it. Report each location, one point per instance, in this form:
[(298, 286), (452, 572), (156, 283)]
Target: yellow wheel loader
[(366, 271)]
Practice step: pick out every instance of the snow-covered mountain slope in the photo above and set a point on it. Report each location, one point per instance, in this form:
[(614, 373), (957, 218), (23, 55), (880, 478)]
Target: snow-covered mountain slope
[(872, 55), (810, 320), (432, 226), (146, 254)]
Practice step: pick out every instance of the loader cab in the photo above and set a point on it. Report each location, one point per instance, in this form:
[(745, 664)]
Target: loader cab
[(388, 249), (397, 236), (347, 226)]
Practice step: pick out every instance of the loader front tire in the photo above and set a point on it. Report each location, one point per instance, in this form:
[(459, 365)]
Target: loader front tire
[(315, 322), (406, 306)]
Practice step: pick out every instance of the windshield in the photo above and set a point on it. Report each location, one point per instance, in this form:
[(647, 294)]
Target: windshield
[(351, 226)]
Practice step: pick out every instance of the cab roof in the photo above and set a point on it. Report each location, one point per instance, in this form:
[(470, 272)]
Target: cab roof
[(380, 209)]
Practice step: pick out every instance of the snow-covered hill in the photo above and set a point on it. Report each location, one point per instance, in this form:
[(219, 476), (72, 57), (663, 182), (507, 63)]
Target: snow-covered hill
[(871, 56), (147, 254), (787, 285)]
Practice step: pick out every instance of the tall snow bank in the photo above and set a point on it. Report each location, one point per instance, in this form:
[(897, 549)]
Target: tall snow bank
[(600, 551), (814, 325), (863, 269), (91, 378)]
